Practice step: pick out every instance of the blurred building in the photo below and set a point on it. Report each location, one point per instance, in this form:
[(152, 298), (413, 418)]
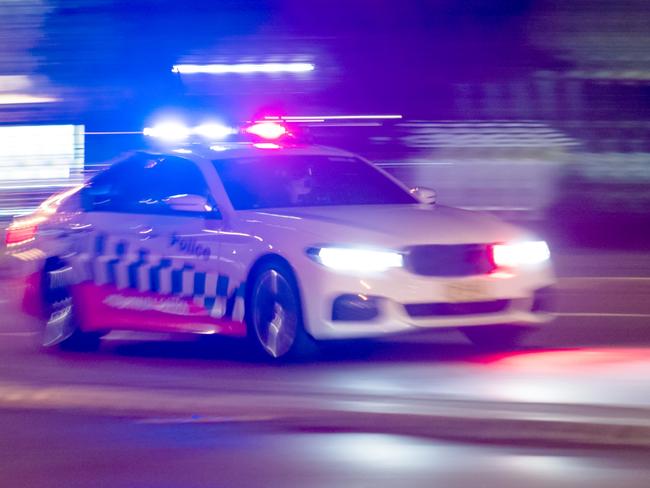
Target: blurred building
[(477, 81)]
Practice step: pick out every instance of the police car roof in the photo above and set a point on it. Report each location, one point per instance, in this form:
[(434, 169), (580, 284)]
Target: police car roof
[(230, 151)]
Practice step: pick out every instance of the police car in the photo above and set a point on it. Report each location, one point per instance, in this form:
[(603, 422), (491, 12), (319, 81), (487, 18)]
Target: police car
[(276, 241)]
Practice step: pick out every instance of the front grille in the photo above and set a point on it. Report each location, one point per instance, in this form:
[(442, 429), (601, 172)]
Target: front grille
[(447, 309), (449, 260)]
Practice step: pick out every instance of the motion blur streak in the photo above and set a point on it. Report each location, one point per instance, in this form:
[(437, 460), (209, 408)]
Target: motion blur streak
[(19, 99), (334, 117), (244, 68)]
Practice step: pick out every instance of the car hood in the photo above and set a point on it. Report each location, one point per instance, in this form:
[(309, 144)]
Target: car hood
[(392, 225)]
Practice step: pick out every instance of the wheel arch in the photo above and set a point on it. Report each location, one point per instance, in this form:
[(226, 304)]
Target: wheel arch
[(34, 296), (49, 264)]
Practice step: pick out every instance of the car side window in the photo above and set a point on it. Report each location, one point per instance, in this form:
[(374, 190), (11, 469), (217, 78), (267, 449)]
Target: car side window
[(176, 176), (114, 189), (142, 184)]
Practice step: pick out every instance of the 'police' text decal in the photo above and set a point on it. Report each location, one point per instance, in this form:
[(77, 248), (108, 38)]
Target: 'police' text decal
[(189, 245)]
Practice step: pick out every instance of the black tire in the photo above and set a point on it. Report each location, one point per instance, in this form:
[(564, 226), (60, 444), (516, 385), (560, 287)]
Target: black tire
[(274, 315), (496, 337), (61, 323)]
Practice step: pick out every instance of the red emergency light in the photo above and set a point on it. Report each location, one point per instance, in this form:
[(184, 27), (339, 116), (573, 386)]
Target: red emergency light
[(267, 130)]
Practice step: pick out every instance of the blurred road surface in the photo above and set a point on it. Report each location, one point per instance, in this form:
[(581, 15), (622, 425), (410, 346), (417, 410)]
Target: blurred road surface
[(63, 450)]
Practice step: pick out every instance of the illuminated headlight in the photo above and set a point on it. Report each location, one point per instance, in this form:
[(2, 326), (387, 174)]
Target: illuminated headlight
[(352, 259), (520, 254)]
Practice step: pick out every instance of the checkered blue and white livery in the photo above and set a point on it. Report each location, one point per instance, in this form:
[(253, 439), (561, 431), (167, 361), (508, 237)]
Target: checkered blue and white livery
[(117, 262)]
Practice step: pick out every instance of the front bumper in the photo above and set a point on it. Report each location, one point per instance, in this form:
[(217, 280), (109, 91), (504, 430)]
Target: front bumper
[(398, 301)]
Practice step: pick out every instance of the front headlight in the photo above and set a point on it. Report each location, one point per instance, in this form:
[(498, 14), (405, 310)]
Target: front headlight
[(354, 259), (520, 254)]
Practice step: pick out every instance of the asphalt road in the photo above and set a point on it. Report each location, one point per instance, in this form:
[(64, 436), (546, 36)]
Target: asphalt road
[(73, 450), (176, 411)]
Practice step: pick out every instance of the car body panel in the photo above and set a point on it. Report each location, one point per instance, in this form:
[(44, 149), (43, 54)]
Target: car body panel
[(187, 273)]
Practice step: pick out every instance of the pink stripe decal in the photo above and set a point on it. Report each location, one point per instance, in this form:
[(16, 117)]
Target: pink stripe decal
[(103, 307), (32, 303)]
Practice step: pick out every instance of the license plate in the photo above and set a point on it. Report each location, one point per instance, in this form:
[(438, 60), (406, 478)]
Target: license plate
[(466, 291)]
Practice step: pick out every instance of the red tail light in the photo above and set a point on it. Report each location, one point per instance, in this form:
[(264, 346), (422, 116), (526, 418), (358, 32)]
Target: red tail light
[(21, 232)]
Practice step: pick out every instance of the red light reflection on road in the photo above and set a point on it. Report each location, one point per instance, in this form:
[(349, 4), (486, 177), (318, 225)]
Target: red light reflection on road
[(569, 360)]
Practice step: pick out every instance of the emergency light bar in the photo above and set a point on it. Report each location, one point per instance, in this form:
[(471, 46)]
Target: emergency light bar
[(176, 132)]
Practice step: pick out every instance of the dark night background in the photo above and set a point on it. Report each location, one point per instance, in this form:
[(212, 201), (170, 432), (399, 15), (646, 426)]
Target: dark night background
[(580, 69)]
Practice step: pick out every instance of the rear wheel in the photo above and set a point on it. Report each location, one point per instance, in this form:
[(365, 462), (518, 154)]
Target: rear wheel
[(496, 337), (274, 314), (61, 322)]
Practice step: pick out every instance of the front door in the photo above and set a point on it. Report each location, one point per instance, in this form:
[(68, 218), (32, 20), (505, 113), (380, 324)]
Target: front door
[(149, 266)]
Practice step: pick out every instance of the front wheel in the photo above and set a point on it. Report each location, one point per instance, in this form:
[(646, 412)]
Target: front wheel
[(496, 337), (274, 314)]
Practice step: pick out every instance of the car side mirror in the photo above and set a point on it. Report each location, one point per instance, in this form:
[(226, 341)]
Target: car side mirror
[(189, 203), (424, 195)]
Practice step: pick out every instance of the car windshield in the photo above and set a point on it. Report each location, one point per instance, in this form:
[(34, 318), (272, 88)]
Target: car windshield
[(306, 181)]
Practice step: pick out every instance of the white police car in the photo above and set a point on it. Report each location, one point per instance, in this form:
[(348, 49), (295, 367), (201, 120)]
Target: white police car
[(279, 242)]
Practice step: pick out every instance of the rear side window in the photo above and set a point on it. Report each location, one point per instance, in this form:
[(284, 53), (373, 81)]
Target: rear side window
[(141, 183)]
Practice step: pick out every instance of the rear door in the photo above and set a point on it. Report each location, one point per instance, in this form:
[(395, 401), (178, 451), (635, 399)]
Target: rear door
[(148, 266)]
